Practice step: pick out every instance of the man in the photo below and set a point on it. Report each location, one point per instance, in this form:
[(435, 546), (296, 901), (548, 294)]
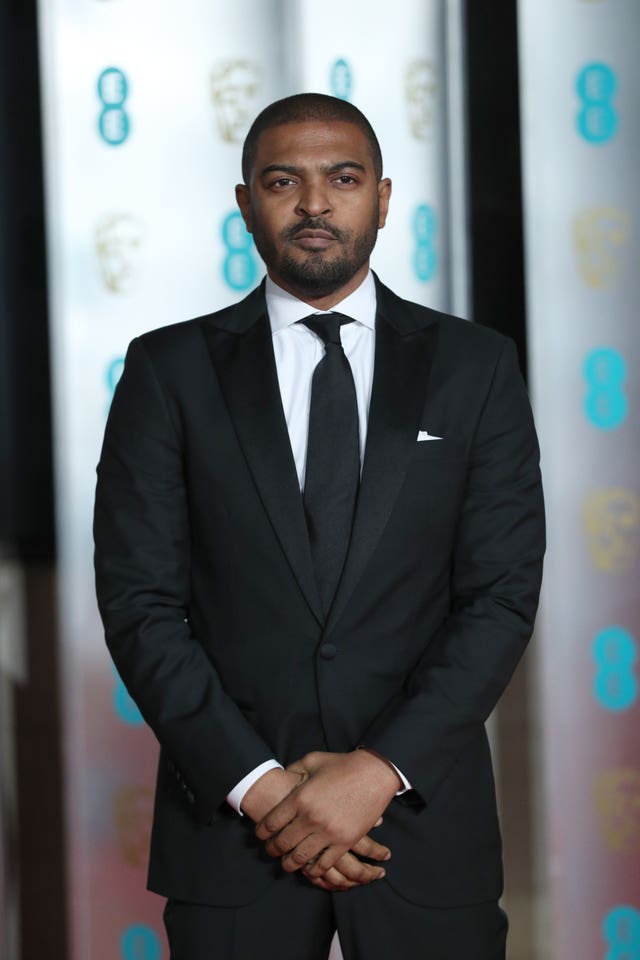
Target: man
[(319, 536)]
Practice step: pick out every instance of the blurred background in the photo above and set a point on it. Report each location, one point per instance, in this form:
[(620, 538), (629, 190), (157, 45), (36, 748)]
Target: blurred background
[(511, 131)]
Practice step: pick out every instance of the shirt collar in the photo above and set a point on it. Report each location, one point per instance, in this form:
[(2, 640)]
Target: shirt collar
[(284, 309)]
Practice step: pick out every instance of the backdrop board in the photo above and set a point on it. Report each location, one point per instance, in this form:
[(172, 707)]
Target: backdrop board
[(145, 109), (402, 89), (581, 140)]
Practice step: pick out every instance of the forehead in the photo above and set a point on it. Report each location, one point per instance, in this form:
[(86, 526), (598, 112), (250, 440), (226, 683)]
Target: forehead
[(312, 143)]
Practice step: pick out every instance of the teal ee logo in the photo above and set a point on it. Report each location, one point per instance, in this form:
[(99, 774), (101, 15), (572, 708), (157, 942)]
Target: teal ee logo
[(341, 80), (605, 402), (124, 707), (113, 122), (113, 374), (140, 943), (621, 931), (239, 268), (615, 686), (425, 258), (597, 118)]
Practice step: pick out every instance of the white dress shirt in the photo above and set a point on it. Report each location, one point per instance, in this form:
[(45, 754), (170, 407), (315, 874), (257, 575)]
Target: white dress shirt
[(297, 352)]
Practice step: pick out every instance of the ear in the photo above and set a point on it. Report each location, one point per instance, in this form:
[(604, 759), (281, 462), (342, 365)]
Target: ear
[(243, 199), (384, 196)]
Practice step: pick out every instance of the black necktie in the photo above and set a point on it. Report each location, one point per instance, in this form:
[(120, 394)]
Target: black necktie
[(332, 473)]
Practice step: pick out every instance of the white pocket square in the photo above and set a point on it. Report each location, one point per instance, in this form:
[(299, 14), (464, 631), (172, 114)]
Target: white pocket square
[(425, 435)]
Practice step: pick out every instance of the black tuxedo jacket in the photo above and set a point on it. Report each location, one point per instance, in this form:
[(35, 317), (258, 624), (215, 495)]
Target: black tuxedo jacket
[(212, 616)]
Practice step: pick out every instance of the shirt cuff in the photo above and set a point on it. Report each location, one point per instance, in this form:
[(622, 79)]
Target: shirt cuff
[(236, 796), (405, 783)]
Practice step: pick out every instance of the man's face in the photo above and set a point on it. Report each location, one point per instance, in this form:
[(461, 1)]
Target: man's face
[(314, 206)]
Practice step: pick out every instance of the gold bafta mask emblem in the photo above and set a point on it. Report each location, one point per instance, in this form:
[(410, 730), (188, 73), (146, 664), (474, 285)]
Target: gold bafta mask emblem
[(617, 800), (234, 88), (612, 523), (600, 237), (420, 89), (132, 814), (118, 244)]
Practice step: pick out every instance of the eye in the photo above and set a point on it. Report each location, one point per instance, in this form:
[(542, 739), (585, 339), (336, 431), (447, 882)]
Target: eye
[(281, 183), (346, 178)]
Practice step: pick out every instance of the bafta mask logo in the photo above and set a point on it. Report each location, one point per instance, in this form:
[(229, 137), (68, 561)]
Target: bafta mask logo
[(601, 236), (235, 84), (612, 523), (420, 91), (118, 241), (132, 815), (617, 802)]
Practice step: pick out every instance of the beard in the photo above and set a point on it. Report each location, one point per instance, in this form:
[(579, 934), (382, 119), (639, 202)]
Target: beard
[(318, 274)]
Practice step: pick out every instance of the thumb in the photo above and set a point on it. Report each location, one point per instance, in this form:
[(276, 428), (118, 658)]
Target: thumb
[(296, 767), (309, 763)]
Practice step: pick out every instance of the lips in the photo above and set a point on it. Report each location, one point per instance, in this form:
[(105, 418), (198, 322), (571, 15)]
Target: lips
[(314, 234), (314, 239)]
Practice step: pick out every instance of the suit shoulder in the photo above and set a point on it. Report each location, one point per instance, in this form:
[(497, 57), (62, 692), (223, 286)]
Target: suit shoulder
[(461, 337), (469, 335), (457, 334), (175, 335), (172, 345), (180, 339)]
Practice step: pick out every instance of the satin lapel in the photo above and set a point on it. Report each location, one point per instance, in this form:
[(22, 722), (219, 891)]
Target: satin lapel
[(402, 364), (246, 370)]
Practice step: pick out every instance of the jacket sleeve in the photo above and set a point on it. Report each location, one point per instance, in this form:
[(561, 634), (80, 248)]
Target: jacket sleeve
[(495, 582), (142, 564)]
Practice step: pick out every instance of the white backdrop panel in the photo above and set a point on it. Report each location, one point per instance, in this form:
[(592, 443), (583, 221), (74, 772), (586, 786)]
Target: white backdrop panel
[(145, 107), (581, 142)]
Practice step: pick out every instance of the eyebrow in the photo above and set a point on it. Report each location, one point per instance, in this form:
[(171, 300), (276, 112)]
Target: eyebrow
[(334, 168)]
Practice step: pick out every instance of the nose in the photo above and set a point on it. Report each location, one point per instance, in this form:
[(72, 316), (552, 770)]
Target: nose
[(313, 200)]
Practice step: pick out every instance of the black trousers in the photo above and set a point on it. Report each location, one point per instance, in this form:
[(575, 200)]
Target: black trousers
[(295, 921)]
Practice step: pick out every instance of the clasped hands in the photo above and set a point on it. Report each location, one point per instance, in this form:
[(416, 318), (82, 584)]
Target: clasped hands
[(316, 815)]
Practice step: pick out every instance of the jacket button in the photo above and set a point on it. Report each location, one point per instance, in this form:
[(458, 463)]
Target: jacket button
[(328, 651)]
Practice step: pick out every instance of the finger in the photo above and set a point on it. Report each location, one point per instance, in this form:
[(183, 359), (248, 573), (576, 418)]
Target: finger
[(378, 822), (350, 868), (369, 848), (306, 853), (320, 882), (327, 859), (332, 880), (288, 839), (278, 818), (358, 872)]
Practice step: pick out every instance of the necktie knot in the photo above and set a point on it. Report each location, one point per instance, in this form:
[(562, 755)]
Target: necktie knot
[(327, 325)]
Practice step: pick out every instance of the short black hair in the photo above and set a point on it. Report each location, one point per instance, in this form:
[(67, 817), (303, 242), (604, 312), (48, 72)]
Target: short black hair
[(302, 107)]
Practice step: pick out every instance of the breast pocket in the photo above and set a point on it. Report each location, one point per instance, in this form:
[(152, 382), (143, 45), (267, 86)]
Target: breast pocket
[(431, 450)]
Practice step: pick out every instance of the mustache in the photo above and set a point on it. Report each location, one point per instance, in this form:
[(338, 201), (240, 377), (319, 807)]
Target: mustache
[(312, 223)]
